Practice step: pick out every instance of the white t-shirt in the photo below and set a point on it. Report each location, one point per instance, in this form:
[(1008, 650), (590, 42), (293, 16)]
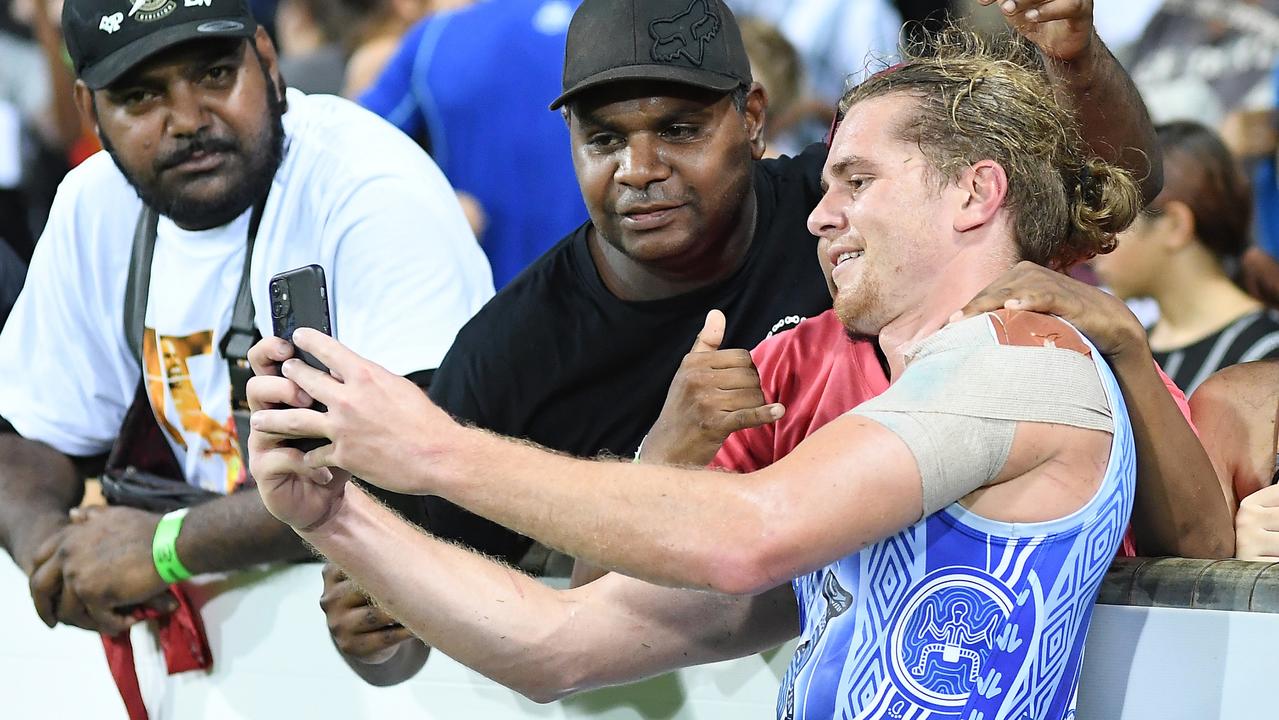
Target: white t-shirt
[(353, 195)]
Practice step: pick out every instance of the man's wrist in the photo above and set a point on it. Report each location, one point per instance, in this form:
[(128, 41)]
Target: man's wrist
[(1132, 348), (335, 518), (440, 463), (29, 543), (1079, 72), (164, 548), (333, 509)]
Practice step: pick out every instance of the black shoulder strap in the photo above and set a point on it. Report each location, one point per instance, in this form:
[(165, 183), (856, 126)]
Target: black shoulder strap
[(243, 333), (139, 282), (240, 336)]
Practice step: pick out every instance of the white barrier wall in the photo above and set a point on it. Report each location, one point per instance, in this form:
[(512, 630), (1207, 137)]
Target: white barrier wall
[(273, 659)]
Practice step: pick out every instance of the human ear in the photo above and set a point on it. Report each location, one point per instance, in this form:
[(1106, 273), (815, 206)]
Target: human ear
[(756, 113), (1177, 225), (270, 62), (984, 186), (84, 103)]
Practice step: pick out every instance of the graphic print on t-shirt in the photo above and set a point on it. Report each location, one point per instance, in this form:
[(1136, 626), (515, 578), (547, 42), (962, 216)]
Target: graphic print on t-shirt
[(167, 367)]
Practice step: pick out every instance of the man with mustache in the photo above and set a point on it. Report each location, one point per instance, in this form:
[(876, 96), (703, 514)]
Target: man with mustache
[(207, 155)]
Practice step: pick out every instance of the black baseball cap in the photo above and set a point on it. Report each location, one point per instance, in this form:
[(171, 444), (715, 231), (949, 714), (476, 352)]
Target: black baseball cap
[(106, 38), (692, 42)]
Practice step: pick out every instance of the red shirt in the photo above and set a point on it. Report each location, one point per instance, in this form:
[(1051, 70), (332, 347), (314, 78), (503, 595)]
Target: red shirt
[(798, 369)]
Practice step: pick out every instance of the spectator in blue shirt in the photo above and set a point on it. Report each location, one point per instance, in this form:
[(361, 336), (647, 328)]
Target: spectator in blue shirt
[(473, 86)]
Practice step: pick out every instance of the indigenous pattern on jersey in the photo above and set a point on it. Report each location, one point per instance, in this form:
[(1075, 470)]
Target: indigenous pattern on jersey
[(959, 616)]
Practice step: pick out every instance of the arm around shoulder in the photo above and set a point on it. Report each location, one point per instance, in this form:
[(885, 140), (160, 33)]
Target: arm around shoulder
[(1181, 508)]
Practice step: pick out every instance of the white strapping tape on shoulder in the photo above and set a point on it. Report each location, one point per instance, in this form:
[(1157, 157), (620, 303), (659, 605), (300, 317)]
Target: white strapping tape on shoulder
[(958, 403)]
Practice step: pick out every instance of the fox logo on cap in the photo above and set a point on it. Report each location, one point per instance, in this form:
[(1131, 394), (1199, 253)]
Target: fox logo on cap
[(686, 42), (685, 34)]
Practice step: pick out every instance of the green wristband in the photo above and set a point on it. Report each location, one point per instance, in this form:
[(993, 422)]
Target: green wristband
[(164, 548)]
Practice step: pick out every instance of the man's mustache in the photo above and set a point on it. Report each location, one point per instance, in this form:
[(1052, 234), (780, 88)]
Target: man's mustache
[(190, 148)]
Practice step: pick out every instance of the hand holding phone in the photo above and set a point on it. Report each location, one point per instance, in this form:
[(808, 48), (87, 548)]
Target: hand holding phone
[(300, 298)]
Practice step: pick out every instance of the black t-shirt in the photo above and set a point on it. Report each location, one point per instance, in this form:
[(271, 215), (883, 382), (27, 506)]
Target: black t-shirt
[(558, 359)]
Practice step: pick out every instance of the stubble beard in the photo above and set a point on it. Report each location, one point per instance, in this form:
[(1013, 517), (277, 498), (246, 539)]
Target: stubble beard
[(260, 164), (859, 309)]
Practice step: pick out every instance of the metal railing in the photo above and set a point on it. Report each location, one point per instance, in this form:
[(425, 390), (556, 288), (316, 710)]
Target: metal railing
[(1200, 584)]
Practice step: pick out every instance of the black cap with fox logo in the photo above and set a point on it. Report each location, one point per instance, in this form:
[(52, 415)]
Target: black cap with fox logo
[(691, 42), (106, 38)]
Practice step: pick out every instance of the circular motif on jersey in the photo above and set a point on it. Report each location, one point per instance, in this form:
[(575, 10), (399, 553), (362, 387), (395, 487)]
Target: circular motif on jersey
[(940, 641), (152, 10)]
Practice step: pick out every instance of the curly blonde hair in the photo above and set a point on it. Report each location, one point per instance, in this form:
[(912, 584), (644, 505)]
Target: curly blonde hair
[(990, 99)]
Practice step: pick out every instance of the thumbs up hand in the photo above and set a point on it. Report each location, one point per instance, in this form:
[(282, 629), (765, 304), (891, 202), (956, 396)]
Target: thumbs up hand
[(714, 394), (711, 334)]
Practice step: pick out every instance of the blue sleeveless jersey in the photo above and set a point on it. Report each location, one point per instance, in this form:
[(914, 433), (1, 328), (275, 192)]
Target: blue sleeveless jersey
[(960, 616)]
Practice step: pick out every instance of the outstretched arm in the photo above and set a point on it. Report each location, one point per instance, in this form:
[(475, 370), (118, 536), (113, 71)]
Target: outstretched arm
[(375, 645), (1111, 113), (847, 485), (1180, 508), (542, 642), (739, 534)]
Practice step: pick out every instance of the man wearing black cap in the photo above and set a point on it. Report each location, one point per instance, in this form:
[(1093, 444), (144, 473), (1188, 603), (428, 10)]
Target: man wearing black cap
[(216, 188), (665, 128), (576, 354)]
